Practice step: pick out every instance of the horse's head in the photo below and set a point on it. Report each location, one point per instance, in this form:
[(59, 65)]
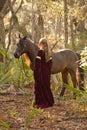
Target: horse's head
[(21, 47)]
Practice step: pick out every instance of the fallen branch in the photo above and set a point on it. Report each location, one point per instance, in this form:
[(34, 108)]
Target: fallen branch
[(15, 93), (71, 118), (7, 100)]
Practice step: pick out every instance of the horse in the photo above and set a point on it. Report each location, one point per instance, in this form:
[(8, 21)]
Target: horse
[(64, 61)]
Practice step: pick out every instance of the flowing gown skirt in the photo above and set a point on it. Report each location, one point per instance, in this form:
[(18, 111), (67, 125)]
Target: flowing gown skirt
[(42, 71)]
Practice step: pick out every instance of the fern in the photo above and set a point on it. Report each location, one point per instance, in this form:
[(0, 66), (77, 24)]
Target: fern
[(3, 52), (4, 124), (33, 112)]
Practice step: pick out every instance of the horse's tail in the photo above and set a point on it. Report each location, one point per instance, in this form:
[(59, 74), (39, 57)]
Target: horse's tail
[(81, 73)]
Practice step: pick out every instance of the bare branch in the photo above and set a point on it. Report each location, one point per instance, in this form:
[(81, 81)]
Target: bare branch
[(13, 20), (54, 45)]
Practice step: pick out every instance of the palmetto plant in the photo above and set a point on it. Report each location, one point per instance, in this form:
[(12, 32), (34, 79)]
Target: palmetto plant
[(4, 125), (13, 71), (84, 59)]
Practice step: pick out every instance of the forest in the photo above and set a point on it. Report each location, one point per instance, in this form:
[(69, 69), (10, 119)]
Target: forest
[(64, 24)]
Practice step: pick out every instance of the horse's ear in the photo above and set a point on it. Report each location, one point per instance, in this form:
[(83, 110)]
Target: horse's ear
[(25, 37), (19, 36)]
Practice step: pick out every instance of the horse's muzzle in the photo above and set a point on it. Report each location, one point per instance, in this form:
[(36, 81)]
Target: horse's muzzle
[(16, 55)]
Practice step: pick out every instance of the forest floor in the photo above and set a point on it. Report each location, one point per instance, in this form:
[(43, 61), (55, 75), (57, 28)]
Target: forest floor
[(17, 113)]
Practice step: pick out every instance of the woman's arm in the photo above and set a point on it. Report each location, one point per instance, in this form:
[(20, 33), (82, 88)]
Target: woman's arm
[(37, 66), (49, 63)]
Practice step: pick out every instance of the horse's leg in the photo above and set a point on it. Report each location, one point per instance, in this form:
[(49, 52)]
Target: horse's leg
[(81, 86), (81, 74), (74, 80), (65, 81)]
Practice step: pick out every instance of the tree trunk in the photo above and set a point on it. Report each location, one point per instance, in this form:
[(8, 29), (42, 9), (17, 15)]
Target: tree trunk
[(56, 27), (66, 23), (81, 25), (4, 9), (2, 35), (72, 34), (2, 31), (41, 25), (2, 28), (39, 29), (72, 24), (33, 21)]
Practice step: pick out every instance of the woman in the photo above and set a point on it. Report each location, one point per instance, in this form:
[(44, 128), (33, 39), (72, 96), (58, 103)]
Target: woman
[(42, 72)]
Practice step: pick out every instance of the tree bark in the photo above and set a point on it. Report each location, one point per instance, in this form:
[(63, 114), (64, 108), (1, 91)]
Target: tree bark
[(3, 3), (72, 24), (13, 22), (66, 23), (41, 25), (33, 21), (2, 35), (4, 9), (72, 34), (81, 24), (39, 28)]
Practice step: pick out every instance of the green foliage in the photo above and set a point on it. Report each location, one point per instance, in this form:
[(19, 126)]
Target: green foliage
[(83, 100), (5, 74), (81, 40), (13, 71), (33, 112), (81, 97), (21, 28), (84, 59), (22, 74), (74, 90), (4, 124), (3, 52)]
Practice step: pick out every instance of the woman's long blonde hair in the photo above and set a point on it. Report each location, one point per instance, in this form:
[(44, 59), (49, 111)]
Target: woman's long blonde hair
[(46, 48)]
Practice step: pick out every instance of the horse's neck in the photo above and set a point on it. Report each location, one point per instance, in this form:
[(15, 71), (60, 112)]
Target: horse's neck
[(32, 55)]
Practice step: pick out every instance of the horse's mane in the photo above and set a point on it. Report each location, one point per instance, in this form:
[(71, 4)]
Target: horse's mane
[(27, 60), (32, 42)]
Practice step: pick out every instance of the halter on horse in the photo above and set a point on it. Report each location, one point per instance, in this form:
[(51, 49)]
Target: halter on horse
[(64, 61)]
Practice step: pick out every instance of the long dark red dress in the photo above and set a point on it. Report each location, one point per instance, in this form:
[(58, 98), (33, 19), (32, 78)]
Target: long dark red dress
[(42, 72)]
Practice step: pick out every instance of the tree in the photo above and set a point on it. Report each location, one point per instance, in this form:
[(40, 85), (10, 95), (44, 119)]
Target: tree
[(39, 26), (72, 25), (3, 5), (81, 23), (33, 21), (4, 9), (66, 22)]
